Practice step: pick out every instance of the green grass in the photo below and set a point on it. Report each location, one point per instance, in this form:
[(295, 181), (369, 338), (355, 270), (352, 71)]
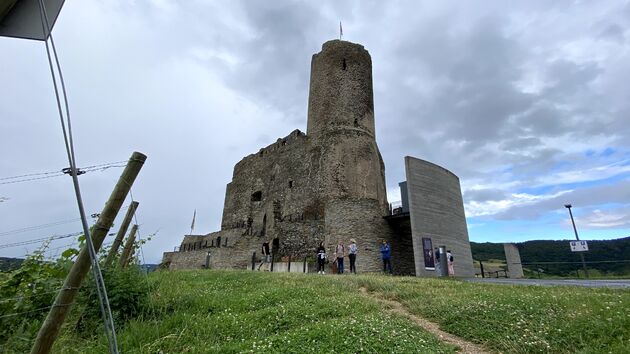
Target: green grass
[(239, 311), (235, 312), (518, 319)]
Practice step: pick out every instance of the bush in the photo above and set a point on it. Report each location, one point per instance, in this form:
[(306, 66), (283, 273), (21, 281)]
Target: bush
[(26, 294), (128, 293)]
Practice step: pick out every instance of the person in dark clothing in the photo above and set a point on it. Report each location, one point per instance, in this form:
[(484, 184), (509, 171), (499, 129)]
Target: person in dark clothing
[(266, 255), (321, 258), (386, 255), (340, 252)]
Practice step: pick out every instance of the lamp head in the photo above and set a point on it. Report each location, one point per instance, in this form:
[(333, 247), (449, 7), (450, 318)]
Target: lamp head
[(568, 206)]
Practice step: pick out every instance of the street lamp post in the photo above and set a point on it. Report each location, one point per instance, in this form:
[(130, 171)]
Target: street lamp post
[(568, 206)]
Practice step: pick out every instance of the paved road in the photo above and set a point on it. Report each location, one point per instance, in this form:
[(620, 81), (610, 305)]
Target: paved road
[(617, 283)]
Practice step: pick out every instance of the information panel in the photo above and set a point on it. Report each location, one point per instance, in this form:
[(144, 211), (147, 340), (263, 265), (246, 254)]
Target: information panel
[(579, 246), (427, 248)]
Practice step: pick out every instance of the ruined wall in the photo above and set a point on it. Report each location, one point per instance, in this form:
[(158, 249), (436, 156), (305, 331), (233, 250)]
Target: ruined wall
[(436, 209), (304, 189), (272, 195)]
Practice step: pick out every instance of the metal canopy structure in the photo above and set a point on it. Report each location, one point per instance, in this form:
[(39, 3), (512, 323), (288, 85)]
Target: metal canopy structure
[(22, 18)]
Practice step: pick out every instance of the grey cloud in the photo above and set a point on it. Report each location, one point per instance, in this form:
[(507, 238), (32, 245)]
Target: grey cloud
[(613, 193), (484, 195), (520, 143)]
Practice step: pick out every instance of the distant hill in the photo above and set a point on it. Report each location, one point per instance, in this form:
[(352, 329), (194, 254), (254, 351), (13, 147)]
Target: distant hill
[(602, 251), (9, 264)]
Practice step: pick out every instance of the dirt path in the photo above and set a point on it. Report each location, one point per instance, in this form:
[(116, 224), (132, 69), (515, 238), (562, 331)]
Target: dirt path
[(465, 346)]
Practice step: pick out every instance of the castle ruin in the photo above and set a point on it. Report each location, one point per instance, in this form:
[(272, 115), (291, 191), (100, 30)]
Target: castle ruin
[(323, 186)]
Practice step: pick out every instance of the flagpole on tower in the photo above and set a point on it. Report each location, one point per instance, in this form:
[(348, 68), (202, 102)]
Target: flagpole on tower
[(192, 225), (340, 31)]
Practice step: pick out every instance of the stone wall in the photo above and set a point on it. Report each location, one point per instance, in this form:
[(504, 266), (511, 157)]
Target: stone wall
[(361, 219), (513, 260), (402, 247), (436, 209)]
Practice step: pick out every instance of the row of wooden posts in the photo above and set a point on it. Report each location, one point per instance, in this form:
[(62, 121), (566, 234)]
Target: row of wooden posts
[(49, 330)]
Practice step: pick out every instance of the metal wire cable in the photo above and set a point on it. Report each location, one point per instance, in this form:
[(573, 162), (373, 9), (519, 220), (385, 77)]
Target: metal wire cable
[(68, 140), (46, 175), (44, 226), (38, 227), (38, 240)]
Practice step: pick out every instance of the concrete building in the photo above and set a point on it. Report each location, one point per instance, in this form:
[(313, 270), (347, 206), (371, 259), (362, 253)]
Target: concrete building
[(324, 186)]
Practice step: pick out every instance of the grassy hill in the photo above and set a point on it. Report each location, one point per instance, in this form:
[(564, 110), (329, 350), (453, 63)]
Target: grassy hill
[(599, 255), (241, 312)]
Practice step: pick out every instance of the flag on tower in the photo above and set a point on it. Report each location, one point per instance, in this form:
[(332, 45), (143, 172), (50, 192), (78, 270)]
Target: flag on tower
[(340, 30), (192, 226)]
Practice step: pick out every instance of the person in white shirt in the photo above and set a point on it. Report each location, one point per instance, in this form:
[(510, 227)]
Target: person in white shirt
[(352, 255)]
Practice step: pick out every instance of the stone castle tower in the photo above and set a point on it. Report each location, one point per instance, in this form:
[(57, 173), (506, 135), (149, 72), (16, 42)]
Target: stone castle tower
[(341, 123), (323, 186), (329, 185)]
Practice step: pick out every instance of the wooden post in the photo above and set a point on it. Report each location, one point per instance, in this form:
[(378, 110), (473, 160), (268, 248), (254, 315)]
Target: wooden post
[(481, 266), (253, 261), (56, 316), (304, 266), (128, 250), (121, 233), (289, 267), (273, 255)]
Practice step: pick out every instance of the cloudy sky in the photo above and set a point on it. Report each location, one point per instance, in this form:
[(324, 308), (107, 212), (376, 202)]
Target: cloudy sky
[(527, 102)]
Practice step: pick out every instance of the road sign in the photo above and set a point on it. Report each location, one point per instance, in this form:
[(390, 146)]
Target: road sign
[(579, 246)]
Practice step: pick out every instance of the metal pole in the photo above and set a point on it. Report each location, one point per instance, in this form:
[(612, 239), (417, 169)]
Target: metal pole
[(568, 206), (65, 298), (273, 255), (481, 266), (121, 233)]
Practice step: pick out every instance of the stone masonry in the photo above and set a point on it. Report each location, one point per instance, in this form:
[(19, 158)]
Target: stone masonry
[(323, 186)]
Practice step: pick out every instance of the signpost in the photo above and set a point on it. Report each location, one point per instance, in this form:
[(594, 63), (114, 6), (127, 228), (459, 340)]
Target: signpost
[(583, 246), (578, 246)]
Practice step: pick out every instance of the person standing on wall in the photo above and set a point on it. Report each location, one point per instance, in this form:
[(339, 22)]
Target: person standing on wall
[(352, 255), (266, 255), (321, 258), (449, 260), (339, 253), (386, 255)]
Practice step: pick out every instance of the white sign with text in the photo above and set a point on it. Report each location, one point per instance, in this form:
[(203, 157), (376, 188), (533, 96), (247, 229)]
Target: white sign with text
[(579, 246)]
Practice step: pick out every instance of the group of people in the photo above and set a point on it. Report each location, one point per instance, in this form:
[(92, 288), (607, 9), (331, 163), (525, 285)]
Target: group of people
[(340, 252)]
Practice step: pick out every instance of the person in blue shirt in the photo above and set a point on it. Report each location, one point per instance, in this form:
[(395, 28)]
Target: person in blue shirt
[(386, 255)]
